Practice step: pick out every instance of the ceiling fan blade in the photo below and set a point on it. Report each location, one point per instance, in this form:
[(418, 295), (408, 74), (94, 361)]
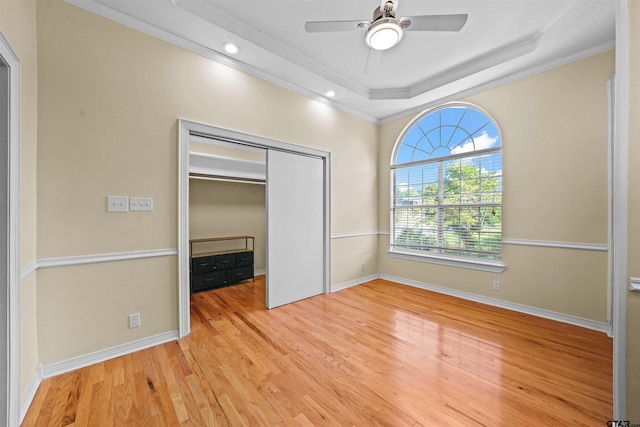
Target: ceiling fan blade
[(329, 26), (434, 22)]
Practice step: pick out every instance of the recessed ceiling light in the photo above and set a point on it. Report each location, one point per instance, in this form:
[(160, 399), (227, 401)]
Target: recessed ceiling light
[(330, 93), (230, 48)]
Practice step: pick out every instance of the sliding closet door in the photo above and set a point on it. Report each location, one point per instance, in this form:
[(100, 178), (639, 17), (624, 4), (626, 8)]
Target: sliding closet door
[(295, 227)]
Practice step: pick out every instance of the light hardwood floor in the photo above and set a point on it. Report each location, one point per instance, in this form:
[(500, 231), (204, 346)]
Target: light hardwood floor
[(375, 354)]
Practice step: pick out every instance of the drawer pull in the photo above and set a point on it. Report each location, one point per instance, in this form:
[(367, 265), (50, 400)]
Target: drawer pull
[(203, 264), (209, 279), (224, 261)]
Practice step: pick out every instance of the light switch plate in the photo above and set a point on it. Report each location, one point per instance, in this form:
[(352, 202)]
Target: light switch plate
[(141, 204), (117, 204), (634, 284)]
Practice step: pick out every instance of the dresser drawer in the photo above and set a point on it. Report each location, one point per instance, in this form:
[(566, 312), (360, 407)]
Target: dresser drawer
[(210, 280), (239, 273), (225, 261), (203, 264), (244, 259)]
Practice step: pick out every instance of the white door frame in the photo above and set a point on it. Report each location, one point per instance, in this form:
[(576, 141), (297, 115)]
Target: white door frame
[(187, 128), (10, 249), (618, 247)]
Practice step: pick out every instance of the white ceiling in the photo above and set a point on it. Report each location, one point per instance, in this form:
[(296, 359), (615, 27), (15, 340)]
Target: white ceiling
[(501, 41)]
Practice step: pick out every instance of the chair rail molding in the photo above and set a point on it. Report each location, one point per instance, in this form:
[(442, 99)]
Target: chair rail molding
[(601, 247)]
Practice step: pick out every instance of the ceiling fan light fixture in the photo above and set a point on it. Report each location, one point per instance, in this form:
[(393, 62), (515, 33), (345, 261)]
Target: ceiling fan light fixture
[(384, 33)]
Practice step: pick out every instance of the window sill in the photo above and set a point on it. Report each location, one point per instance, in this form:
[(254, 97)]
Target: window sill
[(450, 261)]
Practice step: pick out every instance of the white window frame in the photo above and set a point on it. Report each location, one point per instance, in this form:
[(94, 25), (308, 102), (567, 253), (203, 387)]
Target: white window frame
[(488, 265)]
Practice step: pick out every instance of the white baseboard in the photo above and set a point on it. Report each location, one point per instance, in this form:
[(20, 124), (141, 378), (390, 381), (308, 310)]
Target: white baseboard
[(354, 282), (30, 392), (109, 353), (539, 312)]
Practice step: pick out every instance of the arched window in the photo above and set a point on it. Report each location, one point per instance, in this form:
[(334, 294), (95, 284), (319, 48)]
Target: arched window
[(447, 185)]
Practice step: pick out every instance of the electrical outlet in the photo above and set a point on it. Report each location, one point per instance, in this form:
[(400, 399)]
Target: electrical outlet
[(364, 267), (496, 285), (134, 320)]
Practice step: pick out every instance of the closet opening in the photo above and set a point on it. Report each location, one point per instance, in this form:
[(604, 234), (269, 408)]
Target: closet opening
[(251, 207), (227, 213)]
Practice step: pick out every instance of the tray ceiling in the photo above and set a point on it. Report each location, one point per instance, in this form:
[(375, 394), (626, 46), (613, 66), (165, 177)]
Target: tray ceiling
[(501, 41)]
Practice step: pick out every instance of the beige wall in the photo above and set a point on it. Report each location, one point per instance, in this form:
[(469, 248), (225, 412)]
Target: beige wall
[(345, 263), (633, 302), (109, 102), (219, 208), (554, 135), (18, 25), (102, 298)]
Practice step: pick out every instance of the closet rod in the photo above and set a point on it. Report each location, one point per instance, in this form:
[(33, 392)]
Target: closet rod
[(227, 179)]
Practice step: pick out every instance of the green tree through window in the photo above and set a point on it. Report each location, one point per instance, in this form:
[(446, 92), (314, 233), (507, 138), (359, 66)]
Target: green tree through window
[(447, 185)]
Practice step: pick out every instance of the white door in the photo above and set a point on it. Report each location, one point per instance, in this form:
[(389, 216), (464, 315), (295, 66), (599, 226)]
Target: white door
[(295, 227)]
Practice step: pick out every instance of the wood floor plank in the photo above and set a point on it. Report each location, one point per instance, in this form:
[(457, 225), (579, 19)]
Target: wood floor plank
[(377, 354)]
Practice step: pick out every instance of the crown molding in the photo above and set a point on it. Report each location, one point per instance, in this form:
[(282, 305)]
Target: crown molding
[(503, 80), (468, 68), (293, 68)]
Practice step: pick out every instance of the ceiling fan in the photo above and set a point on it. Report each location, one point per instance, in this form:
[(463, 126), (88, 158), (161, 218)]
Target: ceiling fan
[(385, 30)]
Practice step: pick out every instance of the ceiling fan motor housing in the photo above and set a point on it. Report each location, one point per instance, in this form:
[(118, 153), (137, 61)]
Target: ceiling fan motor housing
[(385, 10)]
